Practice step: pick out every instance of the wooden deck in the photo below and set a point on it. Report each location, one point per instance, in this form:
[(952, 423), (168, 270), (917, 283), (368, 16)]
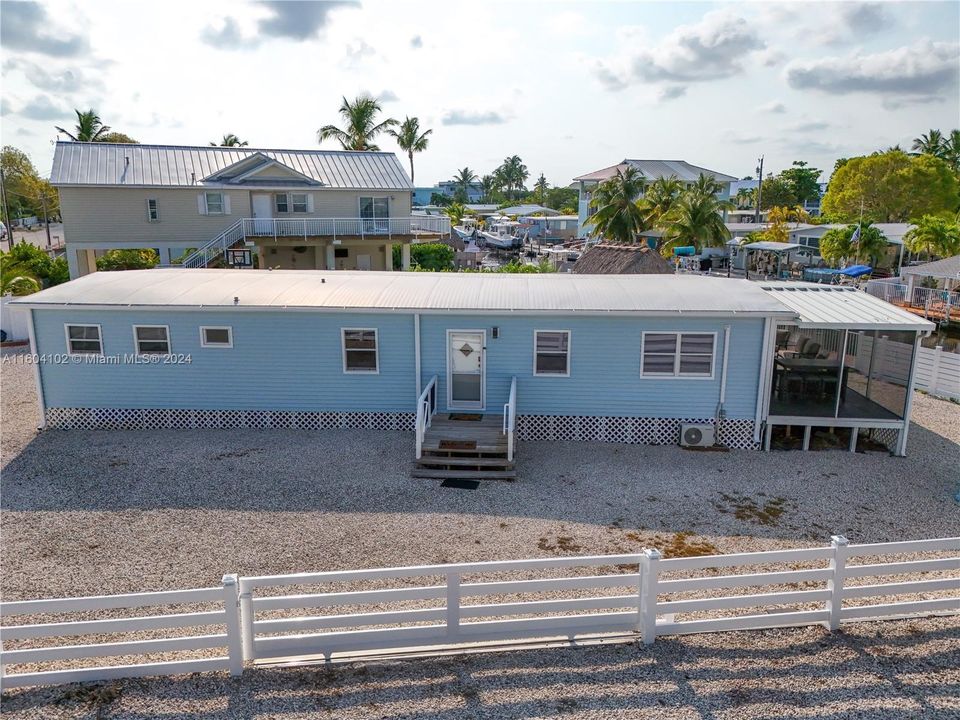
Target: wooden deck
[(465, 449)]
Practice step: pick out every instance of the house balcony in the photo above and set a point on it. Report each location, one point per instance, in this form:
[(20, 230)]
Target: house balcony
[(378, 229)]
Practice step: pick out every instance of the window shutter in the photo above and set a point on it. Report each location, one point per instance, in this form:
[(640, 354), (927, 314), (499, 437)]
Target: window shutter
[(147, 203), (309, 202), (202, 204), (226, 204)]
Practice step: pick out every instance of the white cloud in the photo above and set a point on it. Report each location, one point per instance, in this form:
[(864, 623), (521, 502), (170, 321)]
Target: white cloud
[(774, 107), (473, 117)]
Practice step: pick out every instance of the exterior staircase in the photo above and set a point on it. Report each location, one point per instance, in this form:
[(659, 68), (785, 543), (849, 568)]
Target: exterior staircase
[(474, 449)]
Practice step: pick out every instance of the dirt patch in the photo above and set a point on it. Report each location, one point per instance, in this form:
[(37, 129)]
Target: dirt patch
[(563, 543), (682, 545), (762, 512)]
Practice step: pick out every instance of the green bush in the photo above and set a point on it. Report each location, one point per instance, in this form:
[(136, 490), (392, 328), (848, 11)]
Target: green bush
[(128, 259), (37, 262), (433, 257)]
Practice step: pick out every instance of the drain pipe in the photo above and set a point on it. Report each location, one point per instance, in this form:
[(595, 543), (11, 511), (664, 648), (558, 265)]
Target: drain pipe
[(416, 350), (721, 412)]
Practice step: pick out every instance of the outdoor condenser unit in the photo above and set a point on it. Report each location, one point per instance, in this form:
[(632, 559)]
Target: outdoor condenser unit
[(697, 435)]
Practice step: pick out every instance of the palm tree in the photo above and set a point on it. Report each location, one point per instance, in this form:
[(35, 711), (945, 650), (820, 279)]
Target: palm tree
[(745, 198), (660, 197), (837, 245), (463, 178), (696, 219), (410, 139), (934, 235), (15, 277), (951, 147), (706, 185), (513, 174), (230, 140), (932, 143), (488, 185), (360, 117), (541, 188), (455, 211), (619, 216), (89, 127)]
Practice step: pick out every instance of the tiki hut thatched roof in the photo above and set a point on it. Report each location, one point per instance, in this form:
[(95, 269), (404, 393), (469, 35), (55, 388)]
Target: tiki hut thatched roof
[(622, 259)]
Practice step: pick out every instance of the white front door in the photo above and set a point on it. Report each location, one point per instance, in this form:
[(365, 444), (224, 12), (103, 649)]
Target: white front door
[(466, 369), (262, 206)]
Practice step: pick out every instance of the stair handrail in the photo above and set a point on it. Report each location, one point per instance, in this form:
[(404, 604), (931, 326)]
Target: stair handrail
[(510, 418), (202, 256), (426, 409)]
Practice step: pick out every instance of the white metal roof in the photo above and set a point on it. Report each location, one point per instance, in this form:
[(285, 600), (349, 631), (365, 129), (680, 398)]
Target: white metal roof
[(112, 164), (771, 246), (842, 307), (413, 292), (655, 169), (947, 268)]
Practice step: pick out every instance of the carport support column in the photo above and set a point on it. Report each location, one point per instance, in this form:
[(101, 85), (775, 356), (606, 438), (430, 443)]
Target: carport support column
[(405, 256), (331, 258), (164, 254), (73, 262)]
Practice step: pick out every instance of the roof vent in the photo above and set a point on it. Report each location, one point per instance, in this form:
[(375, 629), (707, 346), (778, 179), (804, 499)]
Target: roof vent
[(322, 280), (193, 178), (126, 160), (236, 300)]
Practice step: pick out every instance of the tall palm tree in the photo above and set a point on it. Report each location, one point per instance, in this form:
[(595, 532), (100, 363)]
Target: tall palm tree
[(660, 197), (931, 143), (837, 245), (410, 139), (89, 127), (230, 140), (488, 184), (696, 218), (951, 148), (362, 127), (619, 216), (934, 235), (541, 187), (513, 174), (706, 185), (463, 178), (745, 198)]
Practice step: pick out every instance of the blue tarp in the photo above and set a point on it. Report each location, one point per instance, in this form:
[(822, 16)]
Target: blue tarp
[(819, 275), (686, 250), (855, 271)]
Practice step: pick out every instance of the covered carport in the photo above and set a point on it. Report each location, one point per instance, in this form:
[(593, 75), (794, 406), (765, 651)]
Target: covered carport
[(848, 361), (777, 252)]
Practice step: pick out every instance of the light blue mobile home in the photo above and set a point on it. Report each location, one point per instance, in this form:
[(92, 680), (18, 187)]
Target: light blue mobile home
[(617, 358)]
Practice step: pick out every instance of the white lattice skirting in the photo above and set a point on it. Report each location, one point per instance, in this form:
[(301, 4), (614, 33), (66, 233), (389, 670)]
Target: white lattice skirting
[(634, 430), (175, 419)]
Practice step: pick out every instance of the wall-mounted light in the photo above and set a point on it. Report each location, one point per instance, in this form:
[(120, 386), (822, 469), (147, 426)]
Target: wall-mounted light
[(495, 333)]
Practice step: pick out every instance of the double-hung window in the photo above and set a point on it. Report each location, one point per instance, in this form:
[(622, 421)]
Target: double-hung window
[(677, 354), (360, 352), (83, 340), (152, 339), (153, 210), (299, 202), (551, 352), (282, 205), (214, 201)]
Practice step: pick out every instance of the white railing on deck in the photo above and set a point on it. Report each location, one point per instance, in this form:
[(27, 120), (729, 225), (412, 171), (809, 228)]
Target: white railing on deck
[(636, 596), (940, 302), (426, 409), (510, 418)]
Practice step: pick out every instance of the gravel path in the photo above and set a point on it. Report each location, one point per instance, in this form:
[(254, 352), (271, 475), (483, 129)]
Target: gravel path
[(105, 512)]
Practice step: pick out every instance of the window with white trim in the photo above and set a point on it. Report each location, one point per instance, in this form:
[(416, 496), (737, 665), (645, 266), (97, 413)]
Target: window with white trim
[(214, 202), (216, 337), (551, 352), (83, 340), (299, 202), (360, 354), (153, 210), (152, 339), (678, 354), (280, 202)]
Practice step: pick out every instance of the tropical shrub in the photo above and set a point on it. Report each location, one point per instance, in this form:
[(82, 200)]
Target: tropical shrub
[(128, 259)]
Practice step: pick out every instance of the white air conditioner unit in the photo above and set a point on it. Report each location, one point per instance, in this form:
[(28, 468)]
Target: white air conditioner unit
[(699, 435)]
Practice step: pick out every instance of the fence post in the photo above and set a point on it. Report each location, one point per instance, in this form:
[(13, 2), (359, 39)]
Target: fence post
[(231, 606), (453, 604), (649, 570), (835, 584), (246, 621), (934, 384)]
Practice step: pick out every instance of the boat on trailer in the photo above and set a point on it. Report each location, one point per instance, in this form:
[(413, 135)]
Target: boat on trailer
[(502, 235)]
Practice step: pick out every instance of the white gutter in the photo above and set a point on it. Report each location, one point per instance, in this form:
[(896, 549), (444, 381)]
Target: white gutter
[(723, 371), (41, 405), (766, 359), (416, 349)]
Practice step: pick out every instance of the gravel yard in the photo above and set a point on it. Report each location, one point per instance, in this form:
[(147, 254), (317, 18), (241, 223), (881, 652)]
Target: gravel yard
[(104, 512)]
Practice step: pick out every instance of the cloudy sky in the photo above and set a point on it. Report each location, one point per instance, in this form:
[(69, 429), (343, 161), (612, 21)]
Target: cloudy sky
[(569, 86)]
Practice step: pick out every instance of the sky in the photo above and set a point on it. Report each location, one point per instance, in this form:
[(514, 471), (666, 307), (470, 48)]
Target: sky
[(571, 87)]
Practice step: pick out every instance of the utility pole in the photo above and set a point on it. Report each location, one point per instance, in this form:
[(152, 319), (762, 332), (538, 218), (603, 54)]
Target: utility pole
[(46, 220), (756, 212), (6, 210)]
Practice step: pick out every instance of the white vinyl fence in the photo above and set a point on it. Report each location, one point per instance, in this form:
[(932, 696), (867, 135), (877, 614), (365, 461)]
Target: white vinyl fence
[(359, 613), (938, 372)]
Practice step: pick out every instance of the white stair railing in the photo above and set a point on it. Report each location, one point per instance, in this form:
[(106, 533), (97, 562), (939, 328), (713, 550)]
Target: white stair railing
[(206, 254), (426, 409), (510, 418)]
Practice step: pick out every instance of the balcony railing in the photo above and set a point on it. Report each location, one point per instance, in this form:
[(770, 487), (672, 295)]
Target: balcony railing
[(346, 227)]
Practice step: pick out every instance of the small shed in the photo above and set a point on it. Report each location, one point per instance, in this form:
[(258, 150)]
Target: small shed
[(617, 259)]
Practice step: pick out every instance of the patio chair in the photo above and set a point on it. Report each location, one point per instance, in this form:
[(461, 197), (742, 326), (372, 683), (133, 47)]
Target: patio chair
[(783, 339), (810, 350), (801, 344)]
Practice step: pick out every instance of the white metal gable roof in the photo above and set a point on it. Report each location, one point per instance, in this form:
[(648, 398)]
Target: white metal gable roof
[(414, 292), (947, 268), (654, 169), (119, 165), (839, 307)]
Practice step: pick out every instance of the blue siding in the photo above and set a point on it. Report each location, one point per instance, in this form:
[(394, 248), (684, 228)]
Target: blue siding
[(279, 361), (604, 367), (292, 361)]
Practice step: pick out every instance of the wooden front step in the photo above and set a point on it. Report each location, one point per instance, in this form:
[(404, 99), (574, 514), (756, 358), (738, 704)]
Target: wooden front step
[(457, 448), (440, 461)]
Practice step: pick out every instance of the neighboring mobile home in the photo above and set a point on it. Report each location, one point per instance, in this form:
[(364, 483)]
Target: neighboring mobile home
[(624, 358), (298, 209)]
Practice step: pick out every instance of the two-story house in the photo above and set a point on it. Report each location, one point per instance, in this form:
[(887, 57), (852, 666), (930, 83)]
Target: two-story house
[(652, 170), (210, 206)]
